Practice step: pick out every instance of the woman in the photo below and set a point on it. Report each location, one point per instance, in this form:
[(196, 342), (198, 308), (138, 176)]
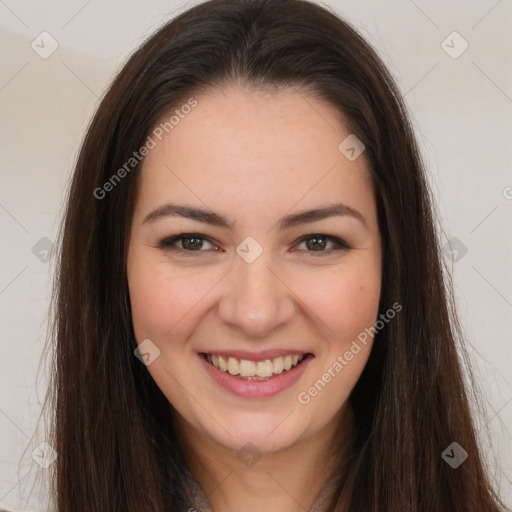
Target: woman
[(251, 312)]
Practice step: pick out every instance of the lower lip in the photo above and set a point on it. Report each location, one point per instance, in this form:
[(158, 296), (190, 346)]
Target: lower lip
[(253, 388)]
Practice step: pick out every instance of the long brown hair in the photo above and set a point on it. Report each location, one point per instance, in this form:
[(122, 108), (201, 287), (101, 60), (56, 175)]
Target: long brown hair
[(111, 425)]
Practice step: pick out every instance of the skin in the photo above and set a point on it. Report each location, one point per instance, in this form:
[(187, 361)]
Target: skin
[(254, 157)]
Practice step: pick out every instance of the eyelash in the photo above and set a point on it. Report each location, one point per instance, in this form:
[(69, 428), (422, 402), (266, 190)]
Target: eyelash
[(167, 243)]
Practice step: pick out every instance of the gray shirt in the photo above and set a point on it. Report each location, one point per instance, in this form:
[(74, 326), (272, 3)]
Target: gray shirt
[(199, 502)]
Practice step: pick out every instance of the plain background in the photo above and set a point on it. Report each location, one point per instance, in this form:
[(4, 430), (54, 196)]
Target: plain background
[(461, 108)]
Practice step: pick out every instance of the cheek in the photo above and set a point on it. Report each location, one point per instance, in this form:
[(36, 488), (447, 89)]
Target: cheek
[(163, 301), (348, 306), (345, 302), (155, 300), (358, 305)]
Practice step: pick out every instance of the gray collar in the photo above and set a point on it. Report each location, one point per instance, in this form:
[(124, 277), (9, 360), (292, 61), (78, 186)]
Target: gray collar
[(199, 501)]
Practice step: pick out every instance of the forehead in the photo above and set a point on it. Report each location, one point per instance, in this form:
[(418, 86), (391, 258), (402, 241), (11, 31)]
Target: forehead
[(238, 146)]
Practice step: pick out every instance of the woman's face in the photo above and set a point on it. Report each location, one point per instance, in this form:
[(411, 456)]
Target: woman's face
[(260, 281)]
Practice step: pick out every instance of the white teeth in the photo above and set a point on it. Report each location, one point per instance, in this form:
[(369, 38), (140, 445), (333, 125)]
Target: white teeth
[(264, 368), (223, 364), (254, 370), (247, 368), (278, 365), (233, 366)]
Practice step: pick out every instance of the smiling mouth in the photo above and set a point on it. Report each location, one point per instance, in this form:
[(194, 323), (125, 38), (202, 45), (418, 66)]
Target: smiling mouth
[(255, 370)]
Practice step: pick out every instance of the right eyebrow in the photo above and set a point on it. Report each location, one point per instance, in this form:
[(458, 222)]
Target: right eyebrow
[(188, 212)]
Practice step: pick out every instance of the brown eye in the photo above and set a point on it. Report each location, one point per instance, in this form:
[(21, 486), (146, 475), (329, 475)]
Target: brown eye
[(186, 242), (191, 242), (317, 243)]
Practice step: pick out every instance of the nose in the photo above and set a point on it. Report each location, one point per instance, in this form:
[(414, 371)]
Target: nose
[(256, 299)]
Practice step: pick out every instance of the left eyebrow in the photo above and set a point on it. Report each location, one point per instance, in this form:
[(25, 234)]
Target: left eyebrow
[(286, 222), (337, 209)]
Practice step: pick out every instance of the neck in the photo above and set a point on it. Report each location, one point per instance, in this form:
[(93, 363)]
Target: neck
[(288, 480)]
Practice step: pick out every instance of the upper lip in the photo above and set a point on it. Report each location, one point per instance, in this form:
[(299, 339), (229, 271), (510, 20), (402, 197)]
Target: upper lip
[(263, 355)]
